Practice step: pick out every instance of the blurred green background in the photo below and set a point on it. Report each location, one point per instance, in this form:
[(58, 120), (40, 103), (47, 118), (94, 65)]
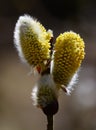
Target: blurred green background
[(78, 111)]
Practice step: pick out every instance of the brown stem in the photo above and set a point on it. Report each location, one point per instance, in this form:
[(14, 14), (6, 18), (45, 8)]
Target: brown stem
[(50, 122)]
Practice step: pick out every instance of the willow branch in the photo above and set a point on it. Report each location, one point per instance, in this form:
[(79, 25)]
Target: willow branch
[(50, 122)]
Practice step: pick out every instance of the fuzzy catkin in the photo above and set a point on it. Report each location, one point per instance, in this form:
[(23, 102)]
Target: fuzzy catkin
[(45, 91), (67, 57), (32, 41)]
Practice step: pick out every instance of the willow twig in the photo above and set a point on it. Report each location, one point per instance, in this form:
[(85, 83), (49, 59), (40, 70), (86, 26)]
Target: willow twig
[(50, 122)]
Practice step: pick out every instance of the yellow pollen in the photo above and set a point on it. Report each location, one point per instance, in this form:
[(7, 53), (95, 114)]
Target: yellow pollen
[(68, 56)]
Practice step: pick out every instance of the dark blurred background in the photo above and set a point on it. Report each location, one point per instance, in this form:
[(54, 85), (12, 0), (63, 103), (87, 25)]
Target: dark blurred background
[(78, 111)]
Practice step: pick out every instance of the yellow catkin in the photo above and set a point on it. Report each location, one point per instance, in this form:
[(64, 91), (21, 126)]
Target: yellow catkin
[(34, 40), (35, 50), (67, 58)]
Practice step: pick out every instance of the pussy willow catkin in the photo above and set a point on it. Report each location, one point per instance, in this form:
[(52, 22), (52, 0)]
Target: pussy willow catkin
[(59, 66), (32, 41), (67, 57)]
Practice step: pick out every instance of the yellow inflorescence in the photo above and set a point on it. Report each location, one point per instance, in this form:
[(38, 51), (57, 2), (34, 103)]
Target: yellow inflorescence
[(68, 55), (34, 42)]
